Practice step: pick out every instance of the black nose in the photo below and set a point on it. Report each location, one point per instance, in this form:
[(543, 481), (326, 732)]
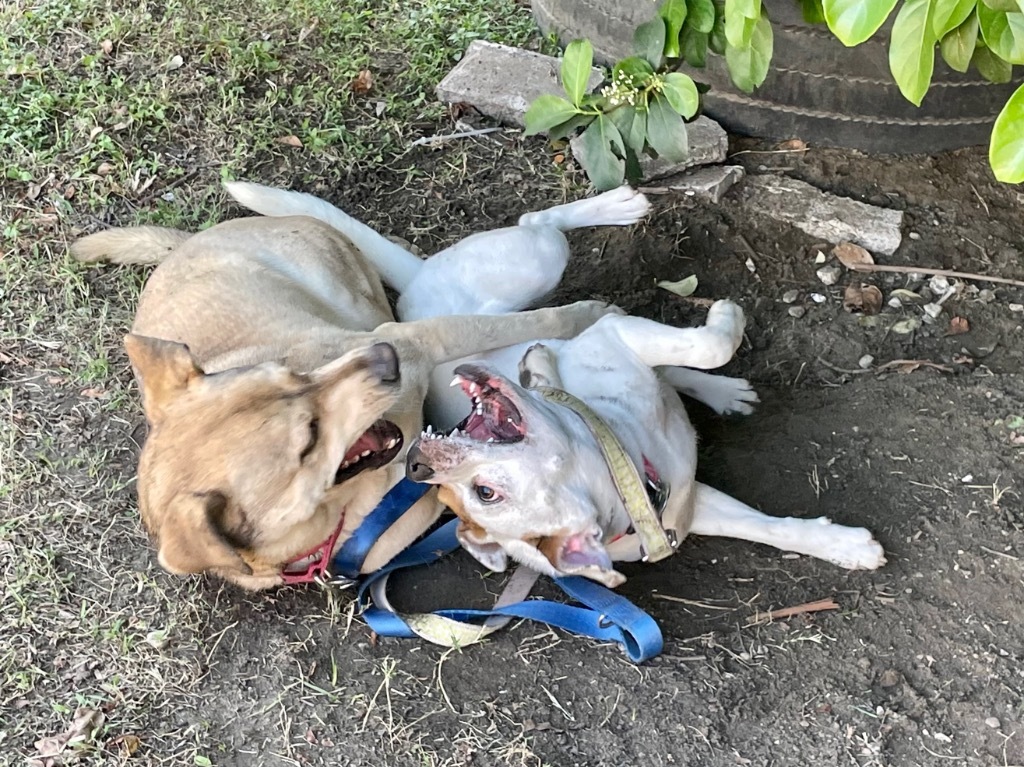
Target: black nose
[(383, 362), (415, 468)]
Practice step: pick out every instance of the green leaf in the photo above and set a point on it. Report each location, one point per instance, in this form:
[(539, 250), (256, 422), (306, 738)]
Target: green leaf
[(201, 761), (674, 14), (666, 131), (632, 125), (1000, 5), (957, 47), (649, 40), (1006, 150), (748, 65), (738, 28), (695, 47), (813, 13), (990, 66), (748, 8), (570, 126), (605, 167), (1003, 33), (950, 14), (635, 70), (546, 112), (683, 288), (912, 50), (854, 21), (576, 65), (700, 15), (681, 94), (716, 40)]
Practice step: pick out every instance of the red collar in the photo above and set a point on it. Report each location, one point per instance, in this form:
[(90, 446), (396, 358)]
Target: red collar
[(317, 569)]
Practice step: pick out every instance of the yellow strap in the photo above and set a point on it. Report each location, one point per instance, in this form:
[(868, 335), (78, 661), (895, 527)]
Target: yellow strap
[(654, 542)]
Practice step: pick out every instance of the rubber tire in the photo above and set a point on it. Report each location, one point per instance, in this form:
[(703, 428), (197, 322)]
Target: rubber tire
[(817, 89)]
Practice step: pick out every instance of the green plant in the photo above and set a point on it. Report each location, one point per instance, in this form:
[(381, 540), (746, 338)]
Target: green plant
[(626, 118)]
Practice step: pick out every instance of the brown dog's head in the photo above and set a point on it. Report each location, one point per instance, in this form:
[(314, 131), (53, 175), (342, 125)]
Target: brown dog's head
[(247, 470)]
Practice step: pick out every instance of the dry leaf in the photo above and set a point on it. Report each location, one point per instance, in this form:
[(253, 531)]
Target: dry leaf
[(683, 288), (290, 141), (909, 325), (94, 392), (559, 158), (862, 298), (95, 131), (307, 31), (69, 191), (84, 725), (907, 296), (958, 326), (105, 169), (793, 145), (176, 62), (107, 46), (126, 745), (363, 82), (851, 256)]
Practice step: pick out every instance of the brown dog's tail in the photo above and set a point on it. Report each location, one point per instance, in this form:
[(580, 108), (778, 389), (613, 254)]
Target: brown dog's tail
[(132, 245)]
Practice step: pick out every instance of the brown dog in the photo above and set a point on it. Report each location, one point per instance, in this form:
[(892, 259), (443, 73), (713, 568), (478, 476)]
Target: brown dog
[(278, 388)]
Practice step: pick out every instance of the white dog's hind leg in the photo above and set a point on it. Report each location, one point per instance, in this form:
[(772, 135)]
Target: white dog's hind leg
[(619, 207), (722, 394), (716, 513), (396, 266), (657, 345)]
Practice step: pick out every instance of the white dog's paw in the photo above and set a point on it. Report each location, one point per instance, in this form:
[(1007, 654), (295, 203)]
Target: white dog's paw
[(853, 548), (621, 207), (730, 396)]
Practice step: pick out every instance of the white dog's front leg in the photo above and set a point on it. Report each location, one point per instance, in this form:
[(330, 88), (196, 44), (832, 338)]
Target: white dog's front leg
[(854, 548), (709, 346)]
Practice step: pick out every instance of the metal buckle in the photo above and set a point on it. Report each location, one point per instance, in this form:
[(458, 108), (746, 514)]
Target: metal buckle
[(328, 580), (658, 491)]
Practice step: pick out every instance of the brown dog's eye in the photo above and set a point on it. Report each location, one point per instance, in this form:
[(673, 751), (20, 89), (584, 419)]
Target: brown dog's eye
[(314, 435), (486, 494)]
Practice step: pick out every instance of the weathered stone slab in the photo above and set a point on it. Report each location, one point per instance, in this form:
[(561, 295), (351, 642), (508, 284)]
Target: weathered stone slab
[(708, 183), (824, 215), (708, 145), (502, 82)]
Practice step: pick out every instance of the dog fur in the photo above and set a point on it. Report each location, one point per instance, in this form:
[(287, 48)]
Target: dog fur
[(528, 479), (279, 390)]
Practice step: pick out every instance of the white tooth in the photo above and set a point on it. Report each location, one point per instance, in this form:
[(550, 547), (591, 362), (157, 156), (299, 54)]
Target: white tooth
[(391, 443), (509, 419), (430, 429), (365, 453), (479, 409), (490, 439), (455, 382)]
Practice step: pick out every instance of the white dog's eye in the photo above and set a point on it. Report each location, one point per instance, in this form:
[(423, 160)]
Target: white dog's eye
[(486, 494)]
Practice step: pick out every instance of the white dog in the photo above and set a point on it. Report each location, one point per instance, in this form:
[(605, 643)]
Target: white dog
[(529, 477)]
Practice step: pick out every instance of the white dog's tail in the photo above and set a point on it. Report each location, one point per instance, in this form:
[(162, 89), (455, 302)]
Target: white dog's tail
[(619, 207), (396, 266), (131, 245)]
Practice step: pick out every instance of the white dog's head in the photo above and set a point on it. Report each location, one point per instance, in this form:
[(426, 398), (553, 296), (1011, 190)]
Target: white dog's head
[(526, 478)]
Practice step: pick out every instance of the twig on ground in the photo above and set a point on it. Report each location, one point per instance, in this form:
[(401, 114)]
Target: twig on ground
[(885, 366), (939, 272), (789, 612), (168, 187), (439, 139)]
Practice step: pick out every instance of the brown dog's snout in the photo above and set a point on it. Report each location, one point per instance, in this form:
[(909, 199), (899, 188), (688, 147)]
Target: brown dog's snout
[(415, 468), (383, 362)]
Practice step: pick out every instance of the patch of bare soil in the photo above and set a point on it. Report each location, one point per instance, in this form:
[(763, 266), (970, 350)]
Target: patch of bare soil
[(921, 664)]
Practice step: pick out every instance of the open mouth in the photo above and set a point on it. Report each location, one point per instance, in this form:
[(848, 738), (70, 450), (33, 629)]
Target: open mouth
[(376, 447), (494, 417)]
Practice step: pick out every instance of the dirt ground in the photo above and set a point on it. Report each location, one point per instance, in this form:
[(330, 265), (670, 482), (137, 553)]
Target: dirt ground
[(922, 664)]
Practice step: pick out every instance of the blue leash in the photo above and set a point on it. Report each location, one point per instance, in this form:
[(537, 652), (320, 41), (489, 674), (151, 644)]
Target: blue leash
[(601, 613)]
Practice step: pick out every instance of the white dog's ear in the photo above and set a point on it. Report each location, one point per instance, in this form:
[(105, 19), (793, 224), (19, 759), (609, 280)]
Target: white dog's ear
[(483, 550), (164, 370), (581, 554)]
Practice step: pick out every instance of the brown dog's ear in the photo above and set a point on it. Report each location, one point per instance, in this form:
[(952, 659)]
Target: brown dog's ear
[(190, 540), (164, 369)]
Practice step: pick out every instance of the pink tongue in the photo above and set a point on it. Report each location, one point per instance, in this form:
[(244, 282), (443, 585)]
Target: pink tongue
[(368, 441)]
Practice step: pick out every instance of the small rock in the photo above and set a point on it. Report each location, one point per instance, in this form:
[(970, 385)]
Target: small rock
[(829, 275), (819, 257), (818, 298), (925, 294), (790, 296), (967, 478), (933, 310), (915, 236), (938, 284), (889, 678), (895, 303), (1018, 308), (986, 296), (994, 723), (797, 311), (865, 362)]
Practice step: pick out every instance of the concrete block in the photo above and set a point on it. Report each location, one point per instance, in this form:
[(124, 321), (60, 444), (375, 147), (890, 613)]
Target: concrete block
[(708, 145), (502, 82), (708, 184), (823, 215)]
